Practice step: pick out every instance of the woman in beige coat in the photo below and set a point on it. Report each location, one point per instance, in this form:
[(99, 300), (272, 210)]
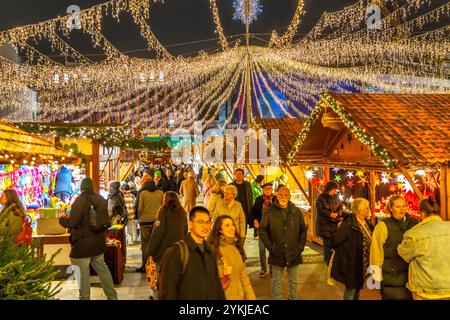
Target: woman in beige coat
[(189, 191), (233, 208), (230, 260)]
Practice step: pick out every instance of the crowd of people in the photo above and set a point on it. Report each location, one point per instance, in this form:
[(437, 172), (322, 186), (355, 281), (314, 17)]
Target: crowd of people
[(199, 250)]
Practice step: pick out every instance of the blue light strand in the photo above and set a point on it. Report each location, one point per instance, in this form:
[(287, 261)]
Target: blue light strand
[(239, 7)]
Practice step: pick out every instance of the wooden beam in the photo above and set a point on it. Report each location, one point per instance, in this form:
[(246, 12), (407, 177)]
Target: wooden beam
[(411, 182), (250, 171), (299, 185), (445, 192), (372, 189), (96, 165), (228, 170)]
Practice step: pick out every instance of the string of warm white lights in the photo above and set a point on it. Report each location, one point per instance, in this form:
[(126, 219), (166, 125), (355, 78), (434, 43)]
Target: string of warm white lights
[(219, 29), (287, 37)]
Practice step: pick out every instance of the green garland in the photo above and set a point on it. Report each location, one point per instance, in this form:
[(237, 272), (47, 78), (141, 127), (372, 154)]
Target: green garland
[(378, 150), (121, 136)]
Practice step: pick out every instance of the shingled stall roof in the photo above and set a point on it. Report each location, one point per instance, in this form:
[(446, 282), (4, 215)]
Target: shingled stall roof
[(20, 144), (412, 131), (289, 129)]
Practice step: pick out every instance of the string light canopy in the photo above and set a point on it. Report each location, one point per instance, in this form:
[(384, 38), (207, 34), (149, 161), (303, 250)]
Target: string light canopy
[(340, 54)]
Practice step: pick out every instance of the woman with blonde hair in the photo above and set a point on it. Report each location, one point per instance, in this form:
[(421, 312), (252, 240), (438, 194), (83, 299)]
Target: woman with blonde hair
[(233, 208), (230, 255), (208, 184), (11, 216), (216, 195), (350, 261)]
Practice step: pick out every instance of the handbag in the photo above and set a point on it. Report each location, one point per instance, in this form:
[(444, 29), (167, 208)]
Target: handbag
[(25, 236), (152, 273), (225, 280)]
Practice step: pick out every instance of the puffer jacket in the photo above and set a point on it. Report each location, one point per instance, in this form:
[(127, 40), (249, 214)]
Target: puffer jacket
[(425, 248), (283, 232), (85, 243), (63, 181)]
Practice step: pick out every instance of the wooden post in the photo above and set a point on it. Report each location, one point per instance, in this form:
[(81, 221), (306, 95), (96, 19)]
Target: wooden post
[(299, 185), (96, 165), (250, 171), (372, 177), (411, 182), (445, 192)]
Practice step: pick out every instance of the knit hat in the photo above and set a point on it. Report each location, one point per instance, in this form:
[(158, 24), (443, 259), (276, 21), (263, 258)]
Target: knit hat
[(158, 173), (145, 178), (114, 186), (87, 185)]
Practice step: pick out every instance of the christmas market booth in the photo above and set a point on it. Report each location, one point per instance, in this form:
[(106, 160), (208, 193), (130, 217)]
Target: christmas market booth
[(30, 165), (377, 145)]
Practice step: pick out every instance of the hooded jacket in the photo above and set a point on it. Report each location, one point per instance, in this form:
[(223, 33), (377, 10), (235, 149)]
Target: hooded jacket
[(85, 243), (326, 205), (63, 181), (283, 232)]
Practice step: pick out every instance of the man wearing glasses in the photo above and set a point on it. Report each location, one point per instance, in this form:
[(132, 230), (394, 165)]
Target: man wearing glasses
[(188, 268)]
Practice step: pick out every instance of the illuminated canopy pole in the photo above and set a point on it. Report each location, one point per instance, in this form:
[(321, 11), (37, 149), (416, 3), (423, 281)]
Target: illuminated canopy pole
[(247, 11), (248, 100)]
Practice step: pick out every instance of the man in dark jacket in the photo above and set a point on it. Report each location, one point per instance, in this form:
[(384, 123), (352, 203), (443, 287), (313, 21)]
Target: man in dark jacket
[(116, 204), (329, 212), (260, 205), (88, 247), (171, 181), (245, 195), (196, 276), (283, 232)]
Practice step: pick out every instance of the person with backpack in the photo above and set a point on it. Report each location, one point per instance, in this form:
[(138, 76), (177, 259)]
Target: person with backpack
[(188, 268), (88, 222), (170, 227)]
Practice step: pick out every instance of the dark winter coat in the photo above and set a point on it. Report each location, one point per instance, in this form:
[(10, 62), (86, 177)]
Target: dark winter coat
[(85, 244), (249, 197), (63, 181), (200, 280), (172, 184), (326, 205), (168, 229), (163, 184), (283, 232), (347, 242), (257, 208)]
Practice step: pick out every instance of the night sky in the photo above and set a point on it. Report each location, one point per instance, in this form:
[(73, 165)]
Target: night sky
[(175, 23), (184, 27)]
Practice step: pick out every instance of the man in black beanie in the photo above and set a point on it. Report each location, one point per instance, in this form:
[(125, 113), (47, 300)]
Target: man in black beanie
[(88, 247)]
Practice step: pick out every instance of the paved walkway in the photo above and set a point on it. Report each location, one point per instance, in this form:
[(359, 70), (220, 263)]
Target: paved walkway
[(312, 278)]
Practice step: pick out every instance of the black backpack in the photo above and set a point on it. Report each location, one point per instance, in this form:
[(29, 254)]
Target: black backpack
[(98, 216)]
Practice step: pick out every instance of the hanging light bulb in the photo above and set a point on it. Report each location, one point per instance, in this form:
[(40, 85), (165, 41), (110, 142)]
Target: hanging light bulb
[(56, 78), (161, 76)]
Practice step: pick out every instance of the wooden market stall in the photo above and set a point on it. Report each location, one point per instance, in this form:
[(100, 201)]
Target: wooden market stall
[(406, 135)]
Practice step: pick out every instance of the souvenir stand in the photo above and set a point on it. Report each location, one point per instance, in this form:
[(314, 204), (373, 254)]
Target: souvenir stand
[(376, 145), (29, 164)]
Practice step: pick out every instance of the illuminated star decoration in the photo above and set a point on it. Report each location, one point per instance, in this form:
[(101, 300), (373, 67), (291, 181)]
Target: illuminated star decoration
[(377, 180), (337, 178), (421, 173), (309, 174), (407, 187), (350, 174), (241, 13), (384, 178), (341, 197), (360, 173), (393, 188), (350, 183), (363, 181), (336, 170)]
